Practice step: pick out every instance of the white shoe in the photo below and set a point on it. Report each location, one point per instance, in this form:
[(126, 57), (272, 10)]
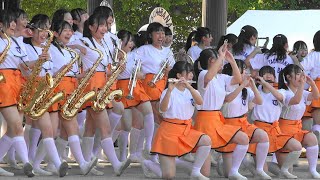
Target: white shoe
[(41, 172), (86, 168), (51, 168), (315, 175), (63, 169), (95, 172), (147, 171), (28, 170), (122, 167), (199, 177), (6, 173), (135, 158), (286, 175), (236, 176), (12, 163), (262, 175)]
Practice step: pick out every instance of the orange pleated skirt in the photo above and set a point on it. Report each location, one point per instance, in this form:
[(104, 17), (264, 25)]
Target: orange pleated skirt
[(277, 139), (10, 88), (97, 81), (247, 128), (175, 137), (139, 93), (211, 123), (293, 128), (67, 86), (154, 92)]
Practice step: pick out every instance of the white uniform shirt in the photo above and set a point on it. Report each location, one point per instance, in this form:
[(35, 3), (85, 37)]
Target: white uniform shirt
[(33, 53), (60, 59), (294, 112), (238, 106), (270, 109), (261, 60), (311, 63), (181, 104), (247, 50), (152, 58), (130, 65), (214, 94), (111, 41), (16, 54), (194, 52), (76, 36), (92, 56)]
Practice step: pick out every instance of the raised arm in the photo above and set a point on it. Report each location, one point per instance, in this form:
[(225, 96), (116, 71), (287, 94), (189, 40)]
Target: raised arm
[(274, 92)]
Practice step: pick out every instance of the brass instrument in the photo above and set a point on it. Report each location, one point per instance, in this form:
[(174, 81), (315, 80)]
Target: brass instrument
[(78, 98), (105, 95), (117, 46), (4, 53), (174, 80), (45, 97), (29, 88), (160, 73), (133, 79)]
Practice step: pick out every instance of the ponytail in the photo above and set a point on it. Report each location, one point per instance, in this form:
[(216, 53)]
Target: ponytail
[(189, 40)]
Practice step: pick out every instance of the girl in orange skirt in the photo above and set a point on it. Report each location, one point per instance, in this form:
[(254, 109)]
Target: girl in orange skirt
[(292, 81), (152, 57), (235, 112), (266, 117), (11, 86), (209, 120), (175, 137), (140, 101), (94, 30)]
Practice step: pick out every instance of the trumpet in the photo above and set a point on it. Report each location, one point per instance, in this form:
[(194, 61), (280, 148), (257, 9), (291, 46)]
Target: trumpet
[(174, 80), (160, 73), (133, 79), (117, 46)]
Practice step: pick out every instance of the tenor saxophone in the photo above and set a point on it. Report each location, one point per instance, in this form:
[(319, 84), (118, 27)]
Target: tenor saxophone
[(105, 95), (4, 53), (29, 89), (78, 98), (45, 97)]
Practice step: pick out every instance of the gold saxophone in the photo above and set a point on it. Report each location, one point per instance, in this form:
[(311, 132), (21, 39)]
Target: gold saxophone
[(45, 97), (4, 53), (29, 89), (78, 98), (105, 95)]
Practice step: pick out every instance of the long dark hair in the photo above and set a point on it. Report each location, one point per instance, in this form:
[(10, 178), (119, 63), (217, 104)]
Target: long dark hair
[(288, 70), (205, 55), (76, 15), (227, 69), (244, 38), (97, 19), (106, 11), (278, 47), (197, 36), (298, 45), (58, 15), (141, 38), (180, 67), (125, 36), (37, 21), (59, 26), (232, 38), (316, 41), (6, 17)]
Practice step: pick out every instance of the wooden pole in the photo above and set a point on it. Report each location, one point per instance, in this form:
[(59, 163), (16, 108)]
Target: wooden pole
[(214, 16)]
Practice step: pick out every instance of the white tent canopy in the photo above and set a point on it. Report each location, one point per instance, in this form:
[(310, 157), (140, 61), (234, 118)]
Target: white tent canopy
[(295, 25)]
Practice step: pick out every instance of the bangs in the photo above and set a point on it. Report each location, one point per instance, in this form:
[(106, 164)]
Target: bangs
[(267, 69), (101, 20)]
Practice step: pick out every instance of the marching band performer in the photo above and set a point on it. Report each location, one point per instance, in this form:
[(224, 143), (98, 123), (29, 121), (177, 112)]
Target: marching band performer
[(138, 99), (11, 86), (156, 62), (203, 37), (266, 117), (209, 118), (175, 137), (292, 80), (235, 113), (94, 31), (79, 16)]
